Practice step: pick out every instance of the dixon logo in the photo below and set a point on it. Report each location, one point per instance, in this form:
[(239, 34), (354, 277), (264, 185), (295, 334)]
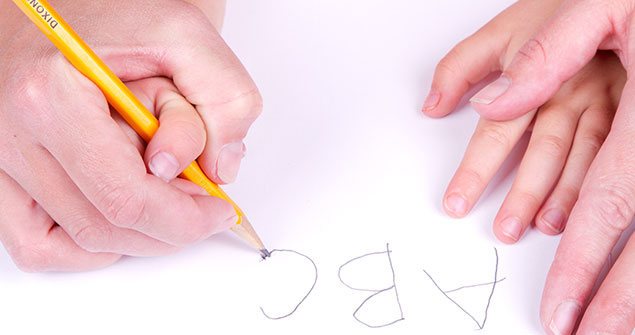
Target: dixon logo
[(48, 18)]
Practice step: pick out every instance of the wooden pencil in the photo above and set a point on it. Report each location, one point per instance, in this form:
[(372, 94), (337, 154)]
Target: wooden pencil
[(121, 99)]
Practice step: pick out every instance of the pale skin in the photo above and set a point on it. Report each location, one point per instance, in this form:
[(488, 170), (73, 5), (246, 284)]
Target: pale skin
[(77, 192), (579, 169), (79, 188)]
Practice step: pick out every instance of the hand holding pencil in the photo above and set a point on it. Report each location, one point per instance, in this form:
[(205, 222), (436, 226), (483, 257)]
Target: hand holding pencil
[(77, 194)]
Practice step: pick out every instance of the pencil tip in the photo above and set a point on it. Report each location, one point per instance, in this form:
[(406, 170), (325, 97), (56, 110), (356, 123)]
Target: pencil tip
[(265, 253)]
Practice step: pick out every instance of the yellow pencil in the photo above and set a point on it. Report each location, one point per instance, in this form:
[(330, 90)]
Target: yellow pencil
[(122, 99)]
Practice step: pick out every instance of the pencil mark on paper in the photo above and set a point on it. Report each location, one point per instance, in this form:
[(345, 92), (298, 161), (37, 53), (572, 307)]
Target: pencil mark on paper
[(305, 297), (475, 285), (375, 292), (489, 299)]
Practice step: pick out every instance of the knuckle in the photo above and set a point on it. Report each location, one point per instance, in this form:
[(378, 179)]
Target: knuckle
[(448, 65), (471, 177), (191, 134), (93, 238), (567, 192), (578, 268), (241, 104), (533, 51), (593, 141), (528, 198), (123, 206), (30, 85), (29, 89), (614, 205), (497, 133), (553, 146), (183, 12), (594, 126), (452, 68), (29, 259)]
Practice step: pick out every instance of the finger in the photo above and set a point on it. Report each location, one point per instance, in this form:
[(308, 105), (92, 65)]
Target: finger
[(547, 151), (207, 73), (465, 65), (489, 147), (554, 55), (593, 127), (211, 78), (488, 50), (181, 136), (34, 241), (603, 211), (188, 187), (109, 171), (612, 310), (56, 193)]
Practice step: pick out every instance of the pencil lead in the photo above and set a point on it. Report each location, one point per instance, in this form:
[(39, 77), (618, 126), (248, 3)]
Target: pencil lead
[(265, 253)]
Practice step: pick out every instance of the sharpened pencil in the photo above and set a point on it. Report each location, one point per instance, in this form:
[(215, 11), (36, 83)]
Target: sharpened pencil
[(121, 99)]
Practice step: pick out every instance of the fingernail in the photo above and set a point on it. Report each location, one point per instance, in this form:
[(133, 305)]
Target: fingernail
[(229, 161), (432, 101), (456, 204), (164, 166), (554, 219), (564, 318), (492, 91), (511, 228)]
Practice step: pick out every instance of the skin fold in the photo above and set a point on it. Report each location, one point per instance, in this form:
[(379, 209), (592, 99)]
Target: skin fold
[(79, 187)]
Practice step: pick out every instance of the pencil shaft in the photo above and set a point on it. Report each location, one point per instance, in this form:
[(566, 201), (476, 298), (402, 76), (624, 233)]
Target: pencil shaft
[(89, 64), (119, 96)]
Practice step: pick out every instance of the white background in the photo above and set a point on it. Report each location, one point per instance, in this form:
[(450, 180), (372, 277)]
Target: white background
[(340, 163)]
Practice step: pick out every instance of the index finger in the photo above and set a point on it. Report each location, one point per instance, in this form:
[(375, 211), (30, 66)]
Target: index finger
[(110, 172)]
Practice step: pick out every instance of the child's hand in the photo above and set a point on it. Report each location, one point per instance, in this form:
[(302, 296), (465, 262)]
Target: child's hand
[(76, 193), (568, 133), (491, 49)]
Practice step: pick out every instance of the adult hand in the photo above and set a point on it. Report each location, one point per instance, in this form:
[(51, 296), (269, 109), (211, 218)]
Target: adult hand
[(606, 203), (490, 49), (76, 191)]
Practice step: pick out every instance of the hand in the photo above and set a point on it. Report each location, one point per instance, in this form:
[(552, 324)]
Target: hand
[(566, 43), (491, 49), (76, 191), (587, 102), (213, 9), (566, 136)]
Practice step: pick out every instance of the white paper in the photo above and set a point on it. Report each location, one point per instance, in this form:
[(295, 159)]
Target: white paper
[(340, 164)]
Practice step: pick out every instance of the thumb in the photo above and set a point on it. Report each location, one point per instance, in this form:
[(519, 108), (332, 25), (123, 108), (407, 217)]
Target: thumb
[(566, 43)]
